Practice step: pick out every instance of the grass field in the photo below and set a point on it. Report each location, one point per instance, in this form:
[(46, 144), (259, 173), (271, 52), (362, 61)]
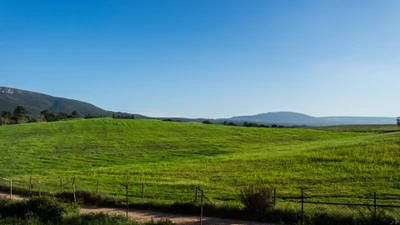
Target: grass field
[(172, 158)]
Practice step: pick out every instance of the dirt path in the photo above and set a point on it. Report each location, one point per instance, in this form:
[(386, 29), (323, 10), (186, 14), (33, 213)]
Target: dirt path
[(15, 197), (146, 215)]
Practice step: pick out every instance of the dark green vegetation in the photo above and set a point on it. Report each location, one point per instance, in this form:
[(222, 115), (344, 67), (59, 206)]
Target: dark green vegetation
[(172, 158), (45, 210), (20, 115)]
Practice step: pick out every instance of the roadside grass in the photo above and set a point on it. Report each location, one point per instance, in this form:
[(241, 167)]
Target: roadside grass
[(171, 159)]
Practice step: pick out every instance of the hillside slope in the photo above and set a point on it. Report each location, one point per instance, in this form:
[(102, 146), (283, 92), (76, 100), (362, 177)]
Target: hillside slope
[(36, 102), (172, 158)]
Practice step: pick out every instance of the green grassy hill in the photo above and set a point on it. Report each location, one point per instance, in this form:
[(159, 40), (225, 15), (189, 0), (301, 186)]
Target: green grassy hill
[(171, 158)]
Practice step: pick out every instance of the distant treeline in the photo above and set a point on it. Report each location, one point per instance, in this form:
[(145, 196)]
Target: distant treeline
[(20, 115), (230, 123)]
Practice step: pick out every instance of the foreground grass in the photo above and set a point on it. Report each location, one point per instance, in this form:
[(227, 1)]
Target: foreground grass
[(172, 158), (45, 210)]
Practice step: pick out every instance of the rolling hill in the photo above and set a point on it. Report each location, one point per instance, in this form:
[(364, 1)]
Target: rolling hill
[(36, 102), (172, 158)]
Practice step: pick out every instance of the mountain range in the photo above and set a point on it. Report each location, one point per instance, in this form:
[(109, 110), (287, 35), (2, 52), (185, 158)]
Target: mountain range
[(36, 102), (292, 118)]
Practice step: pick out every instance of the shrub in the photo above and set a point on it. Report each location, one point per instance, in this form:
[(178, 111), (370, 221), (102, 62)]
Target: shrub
[(49, 209), (257, 198), (98, 218), (160, 222)]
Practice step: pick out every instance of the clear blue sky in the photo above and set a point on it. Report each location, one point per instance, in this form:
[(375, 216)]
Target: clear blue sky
[(200, 58)]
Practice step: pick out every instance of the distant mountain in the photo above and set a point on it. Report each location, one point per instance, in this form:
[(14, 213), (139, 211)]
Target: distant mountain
[(278, 117), (292, 118), (36, 102)]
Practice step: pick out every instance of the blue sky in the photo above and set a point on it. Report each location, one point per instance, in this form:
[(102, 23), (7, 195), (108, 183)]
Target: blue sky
[(207, 59)]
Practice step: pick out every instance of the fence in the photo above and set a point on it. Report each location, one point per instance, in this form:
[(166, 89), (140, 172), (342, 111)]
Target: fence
[(366, 211), (307, 207)]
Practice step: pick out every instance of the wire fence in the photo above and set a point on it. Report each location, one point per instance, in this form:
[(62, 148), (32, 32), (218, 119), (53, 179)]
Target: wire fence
[(309, 206)]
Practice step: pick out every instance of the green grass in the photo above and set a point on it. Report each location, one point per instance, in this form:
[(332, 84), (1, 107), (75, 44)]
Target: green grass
[(172, 158)]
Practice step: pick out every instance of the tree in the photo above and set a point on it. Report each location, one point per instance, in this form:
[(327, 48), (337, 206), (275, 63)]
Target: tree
[(74, 115), (5, 118), (48, 115), (6, 115), (62, 116), (20, 114), (398, 122)]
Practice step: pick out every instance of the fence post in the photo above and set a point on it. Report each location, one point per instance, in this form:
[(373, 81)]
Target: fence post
[(30, 186), (11, 189), (201, 208), (9, 180), (274, 197), (97, 188), (127, 202), (40, 193), (302, 206), (61, 185), (374, 207), (142, 191), (74, 190), (196, 194)]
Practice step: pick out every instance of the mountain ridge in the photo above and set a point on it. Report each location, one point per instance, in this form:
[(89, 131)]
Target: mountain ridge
[(294, 118), (36, 102)]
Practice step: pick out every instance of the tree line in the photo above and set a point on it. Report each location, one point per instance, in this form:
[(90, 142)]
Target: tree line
[(20, 115), (246, 124)]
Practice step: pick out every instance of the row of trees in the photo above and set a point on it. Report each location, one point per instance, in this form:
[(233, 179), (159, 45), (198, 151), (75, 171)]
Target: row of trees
[(245, 124), (20, 115)]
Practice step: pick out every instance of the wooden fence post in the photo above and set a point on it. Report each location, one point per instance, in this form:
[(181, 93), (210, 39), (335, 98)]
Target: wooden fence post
[(11, 189), (9, 180), (374, 207), (30, 186), (97, 188), (142, 191), (127, 202), (302, 206), (61, 185), (196, 195), (74, 190), (201, 207)]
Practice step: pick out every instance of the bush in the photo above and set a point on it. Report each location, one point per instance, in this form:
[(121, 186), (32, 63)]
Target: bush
[(257, 198), (49, 209), (98, 218), (10, 208)]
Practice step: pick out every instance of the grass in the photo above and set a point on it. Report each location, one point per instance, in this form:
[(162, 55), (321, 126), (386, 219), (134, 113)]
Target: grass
[(172, 158)]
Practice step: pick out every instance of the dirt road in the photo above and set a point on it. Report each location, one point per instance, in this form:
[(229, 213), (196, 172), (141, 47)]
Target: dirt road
[(146, 215)]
